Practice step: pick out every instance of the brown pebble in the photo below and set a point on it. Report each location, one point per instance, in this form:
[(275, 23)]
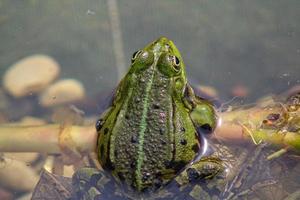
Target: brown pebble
[(61, 92), (17, 176), (30, 75)]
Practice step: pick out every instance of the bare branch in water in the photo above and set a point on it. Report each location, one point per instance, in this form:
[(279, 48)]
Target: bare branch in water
[(275, 123)]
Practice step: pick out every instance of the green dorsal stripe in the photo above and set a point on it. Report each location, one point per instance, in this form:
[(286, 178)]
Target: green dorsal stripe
[(143, 126)]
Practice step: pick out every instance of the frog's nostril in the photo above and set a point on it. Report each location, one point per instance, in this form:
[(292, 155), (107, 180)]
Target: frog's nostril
[(164, 42)]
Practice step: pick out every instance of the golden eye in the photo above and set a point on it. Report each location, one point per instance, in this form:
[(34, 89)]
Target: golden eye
[(135, 55), (169, 65), (141, 60), (176, 63)]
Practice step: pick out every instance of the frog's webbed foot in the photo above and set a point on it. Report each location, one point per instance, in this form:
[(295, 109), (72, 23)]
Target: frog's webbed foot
[(88, 184), (201, 170), (202, 178)]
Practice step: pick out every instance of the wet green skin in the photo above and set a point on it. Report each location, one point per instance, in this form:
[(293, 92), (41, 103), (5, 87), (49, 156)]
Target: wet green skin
[(149, 133)]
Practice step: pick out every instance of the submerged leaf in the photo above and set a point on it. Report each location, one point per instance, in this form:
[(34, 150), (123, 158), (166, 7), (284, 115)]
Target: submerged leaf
[(51, 186)]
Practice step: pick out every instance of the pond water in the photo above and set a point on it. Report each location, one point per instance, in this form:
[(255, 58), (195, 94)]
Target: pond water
[(60, 62)]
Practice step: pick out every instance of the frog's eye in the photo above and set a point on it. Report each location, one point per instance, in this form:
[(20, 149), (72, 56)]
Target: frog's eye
[(135, 55), (169, 64), (176, 63), (141, 60)]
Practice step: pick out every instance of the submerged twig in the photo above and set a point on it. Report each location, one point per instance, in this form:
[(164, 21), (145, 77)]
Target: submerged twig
[(52, 138), (275, 123)]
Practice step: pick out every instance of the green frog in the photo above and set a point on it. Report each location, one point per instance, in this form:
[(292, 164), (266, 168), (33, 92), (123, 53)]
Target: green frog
[(151, 136)]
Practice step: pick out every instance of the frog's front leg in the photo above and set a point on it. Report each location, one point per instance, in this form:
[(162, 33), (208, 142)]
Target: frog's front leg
[(202, 111), (88, 184)]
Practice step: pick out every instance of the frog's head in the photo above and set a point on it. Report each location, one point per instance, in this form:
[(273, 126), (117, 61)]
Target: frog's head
[(160, 57)]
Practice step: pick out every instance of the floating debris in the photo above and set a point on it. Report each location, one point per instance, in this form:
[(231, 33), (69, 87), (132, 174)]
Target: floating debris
[(209, 91), (240, 91)]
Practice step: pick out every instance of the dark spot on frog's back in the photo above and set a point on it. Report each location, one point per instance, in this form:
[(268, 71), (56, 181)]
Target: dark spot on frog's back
[(134, 139), (182, 129), (156, 106), (99, 124), (132, 165), (195, 148), (146, 176), (102, 151), (162, 131), (116, 153), (137, 100), (183, 141), (106, 131)]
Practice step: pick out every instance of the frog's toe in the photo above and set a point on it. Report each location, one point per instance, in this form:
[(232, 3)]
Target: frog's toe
[(84, 177), (205, 168)]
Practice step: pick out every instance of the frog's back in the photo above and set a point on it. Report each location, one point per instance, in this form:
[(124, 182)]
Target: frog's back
[(147, 136)]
